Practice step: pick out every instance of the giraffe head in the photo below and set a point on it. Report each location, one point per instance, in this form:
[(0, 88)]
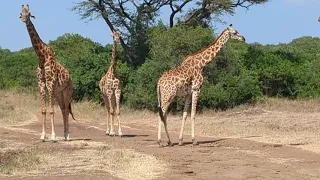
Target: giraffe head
[(319, 19), (116, 36), (234, 34), (26, 14)]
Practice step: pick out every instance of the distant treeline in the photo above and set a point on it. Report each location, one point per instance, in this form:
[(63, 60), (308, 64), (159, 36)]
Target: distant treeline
[(241, 73)]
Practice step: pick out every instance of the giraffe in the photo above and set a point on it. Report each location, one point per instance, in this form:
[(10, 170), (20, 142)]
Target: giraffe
[(51, 75), (110, 86), (319, 19), (186, 80)]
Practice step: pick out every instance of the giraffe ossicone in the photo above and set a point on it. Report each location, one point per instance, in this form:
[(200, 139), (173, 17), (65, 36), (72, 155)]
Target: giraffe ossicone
[(186, 80), (52, 76)]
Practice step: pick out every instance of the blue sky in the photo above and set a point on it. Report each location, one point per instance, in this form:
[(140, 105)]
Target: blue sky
[(271, 23)]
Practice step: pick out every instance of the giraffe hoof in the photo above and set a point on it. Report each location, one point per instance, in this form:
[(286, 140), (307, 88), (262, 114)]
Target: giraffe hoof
[(107, 132), (181, 143), (120, 134), (67, 137), (195, 143), (53, 137), (170, 144), (159, 143), (43, 137), (112, 134)]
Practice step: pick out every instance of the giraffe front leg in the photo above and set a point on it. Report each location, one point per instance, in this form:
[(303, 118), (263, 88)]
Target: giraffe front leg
[(112, 132), (195, 95), (118, 95), (106, 103), (184, 117), (159, 133), (108, 119), (51, 102), (42, 88), (111, 115)]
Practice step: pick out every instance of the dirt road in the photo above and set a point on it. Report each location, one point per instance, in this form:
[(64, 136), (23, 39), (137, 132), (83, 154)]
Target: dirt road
[(226, 158)]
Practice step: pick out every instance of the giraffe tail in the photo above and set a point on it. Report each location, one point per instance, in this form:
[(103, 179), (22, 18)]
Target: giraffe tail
[(70, 111), (160, 106)]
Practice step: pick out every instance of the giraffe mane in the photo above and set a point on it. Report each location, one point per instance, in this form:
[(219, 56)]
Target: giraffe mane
[(203, 49)]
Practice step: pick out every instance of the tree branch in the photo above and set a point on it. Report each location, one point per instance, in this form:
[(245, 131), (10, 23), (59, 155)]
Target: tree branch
[(112, 28), (209, 7), (175, 11)]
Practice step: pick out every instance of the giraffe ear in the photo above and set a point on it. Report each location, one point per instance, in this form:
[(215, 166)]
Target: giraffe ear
[(32, 16)]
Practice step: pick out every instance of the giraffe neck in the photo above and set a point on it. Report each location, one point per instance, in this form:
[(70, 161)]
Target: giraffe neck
[(34, 36), (36, 43), (210, 52), (113, 63)]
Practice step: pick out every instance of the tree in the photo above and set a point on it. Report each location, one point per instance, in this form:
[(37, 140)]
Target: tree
[(135, 17)]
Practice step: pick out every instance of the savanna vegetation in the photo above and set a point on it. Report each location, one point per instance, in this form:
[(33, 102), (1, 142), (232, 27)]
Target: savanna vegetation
[(241, 73)]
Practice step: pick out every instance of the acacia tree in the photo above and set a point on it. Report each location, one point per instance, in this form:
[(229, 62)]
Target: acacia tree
[(134, 17)]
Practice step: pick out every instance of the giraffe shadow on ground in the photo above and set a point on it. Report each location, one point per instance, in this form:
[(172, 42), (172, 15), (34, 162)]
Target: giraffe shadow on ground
[(80, 139), (133, 135), (202, 142), (62, 140), (214, 141)]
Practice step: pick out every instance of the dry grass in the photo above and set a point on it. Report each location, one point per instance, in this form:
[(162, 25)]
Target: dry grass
[(16, 108), (278, 121), (122, 163), (78, 157), (12, 161)]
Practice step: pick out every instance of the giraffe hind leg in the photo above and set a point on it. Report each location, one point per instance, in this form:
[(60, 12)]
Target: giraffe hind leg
[(166, 130), (164, 103), (67, 94), (195, 95), (59, 97), (106, 103), (51, 102), (117, 113), (164, 121), (184, 117)]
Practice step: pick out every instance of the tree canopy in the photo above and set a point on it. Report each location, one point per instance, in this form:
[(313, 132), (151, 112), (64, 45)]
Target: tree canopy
[(134, 17), (241, 73)]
